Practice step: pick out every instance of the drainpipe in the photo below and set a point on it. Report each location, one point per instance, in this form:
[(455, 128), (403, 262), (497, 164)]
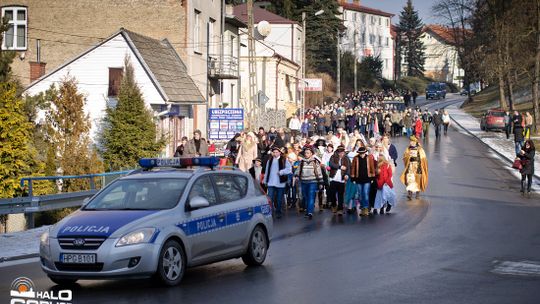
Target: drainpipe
[(277, 84)]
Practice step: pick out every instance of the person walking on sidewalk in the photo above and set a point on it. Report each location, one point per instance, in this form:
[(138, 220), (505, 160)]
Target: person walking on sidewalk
[(340, 166), (518, 131), (415, 173), (507, 124), (386, 196), (414, 96), (275, 177), (446, 121), (362, 172), (310, 177), (408, 123), (527, 161), (437, 122), (247, 152)]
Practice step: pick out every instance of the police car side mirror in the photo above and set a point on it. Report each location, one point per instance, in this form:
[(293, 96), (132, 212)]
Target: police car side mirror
[(198, 202), (85, 201)]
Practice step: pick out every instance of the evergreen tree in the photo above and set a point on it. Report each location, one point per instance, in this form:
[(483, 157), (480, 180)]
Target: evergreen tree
[(15, 157), (129, 130), (68, 128), (321, 31), (410, 29)]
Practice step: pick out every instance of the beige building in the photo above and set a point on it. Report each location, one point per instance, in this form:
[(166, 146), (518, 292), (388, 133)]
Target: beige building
[(442, 62), (47, 34)]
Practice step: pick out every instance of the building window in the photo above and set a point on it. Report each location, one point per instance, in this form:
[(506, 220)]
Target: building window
[(386, 63), (363, 37), (387, 22), (115, 78), (387, 41), (363, 18), (380, 20), (197, 32), (372, 19), (15, 38), (380, 40), (371, 39)]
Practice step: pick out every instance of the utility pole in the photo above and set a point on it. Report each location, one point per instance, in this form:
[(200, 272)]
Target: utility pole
[(303, 65), (338, 66), (253, 95), (355, 60)]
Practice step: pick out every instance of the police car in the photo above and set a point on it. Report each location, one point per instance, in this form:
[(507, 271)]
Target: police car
[(159, 220)]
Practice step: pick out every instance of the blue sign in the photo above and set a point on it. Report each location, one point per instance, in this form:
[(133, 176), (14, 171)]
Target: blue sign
[(224, 123)]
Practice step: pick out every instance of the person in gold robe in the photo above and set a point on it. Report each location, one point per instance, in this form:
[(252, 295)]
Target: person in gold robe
[(415, 173)]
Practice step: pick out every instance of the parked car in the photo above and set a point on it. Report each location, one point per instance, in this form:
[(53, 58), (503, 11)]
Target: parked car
[(492, 120), (464, 92)]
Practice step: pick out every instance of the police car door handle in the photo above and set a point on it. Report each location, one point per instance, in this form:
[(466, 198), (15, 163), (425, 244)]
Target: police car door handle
[(221, 217), (250, 210)]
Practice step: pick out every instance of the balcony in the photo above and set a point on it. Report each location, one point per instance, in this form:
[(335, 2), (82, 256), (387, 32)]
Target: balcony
[(225, 67)]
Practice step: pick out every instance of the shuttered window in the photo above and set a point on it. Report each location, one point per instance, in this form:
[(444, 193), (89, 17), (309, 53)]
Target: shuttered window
[(115, 77)]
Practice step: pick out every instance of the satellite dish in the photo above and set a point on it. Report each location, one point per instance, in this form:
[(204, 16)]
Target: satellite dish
[(264, 28)]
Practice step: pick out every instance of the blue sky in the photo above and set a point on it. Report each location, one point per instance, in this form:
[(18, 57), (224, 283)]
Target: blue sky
[(395, 6)]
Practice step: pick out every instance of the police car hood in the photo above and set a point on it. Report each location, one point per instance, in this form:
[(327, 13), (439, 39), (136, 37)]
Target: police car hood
[(101, 223)]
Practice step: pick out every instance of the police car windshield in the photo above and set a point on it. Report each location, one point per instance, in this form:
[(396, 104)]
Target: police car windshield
[(139, 194)]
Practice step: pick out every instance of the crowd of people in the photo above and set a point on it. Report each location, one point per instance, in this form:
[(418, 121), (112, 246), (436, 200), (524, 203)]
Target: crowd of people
[(341, 157)]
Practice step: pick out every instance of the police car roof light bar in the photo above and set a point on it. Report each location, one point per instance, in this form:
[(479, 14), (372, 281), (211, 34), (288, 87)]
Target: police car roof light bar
[(179, 162)]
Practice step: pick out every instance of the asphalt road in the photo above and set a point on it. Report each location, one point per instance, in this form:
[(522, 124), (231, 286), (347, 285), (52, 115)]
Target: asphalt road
[(441, 248)]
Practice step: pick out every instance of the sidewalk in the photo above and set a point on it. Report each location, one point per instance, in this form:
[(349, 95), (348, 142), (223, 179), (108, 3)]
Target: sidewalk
[(495, 140), (19, 245)]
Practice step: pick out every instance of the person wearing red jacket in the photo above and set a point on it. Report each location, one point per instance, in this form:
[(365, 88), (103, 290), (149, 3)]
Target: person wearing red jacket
[(418, 127), (385, 187)]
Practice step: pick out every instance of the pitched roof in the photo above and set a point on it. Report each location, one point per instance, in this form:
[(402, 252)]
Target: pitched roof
[(259, 14), (365, 9), (161, 63), (446, 34), (166, 67)]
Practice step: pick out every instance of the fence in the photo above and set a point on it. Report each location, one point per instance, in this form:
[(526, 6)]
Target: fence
[(30, 204)]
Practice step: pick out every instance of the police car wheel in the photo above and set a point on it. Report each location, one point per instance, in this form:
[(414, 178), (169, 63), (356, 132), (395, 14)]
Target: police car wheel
[(172, 263), (257, 248), (62, 281)]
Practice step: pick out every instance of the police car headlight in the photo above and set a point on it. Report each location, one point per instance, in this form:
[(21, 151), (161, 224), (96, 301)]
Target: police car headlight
[(136, 237), (44, 239)]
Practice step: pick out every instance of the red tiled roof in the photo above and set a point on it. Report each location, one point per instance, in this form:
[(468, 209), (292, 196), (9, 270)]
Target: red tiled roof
[(259, 14), (445, 33), (365, 9)]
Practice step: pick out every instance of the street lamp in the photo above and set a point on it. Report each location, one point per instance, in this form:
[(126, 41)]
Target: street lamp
[(319, 12)]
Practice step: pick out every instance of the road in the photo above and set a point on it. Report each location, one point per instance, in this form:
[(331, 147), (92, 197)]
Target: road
[(441, 248)]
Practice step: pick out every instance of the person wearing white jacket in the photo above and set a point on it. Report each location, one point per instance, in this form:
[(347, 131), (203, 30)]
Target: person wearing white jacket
[(295, 125)]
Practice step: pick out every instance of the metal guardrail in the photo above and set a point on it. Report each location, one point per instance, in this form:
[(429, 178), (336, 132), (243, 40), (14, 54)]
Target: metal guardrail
[(30, 204)]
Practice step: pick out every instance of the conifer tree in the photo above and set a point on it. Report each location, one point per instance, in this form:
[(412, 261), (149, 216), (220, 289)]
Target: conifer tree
[(15, 157), (129, 129), (69, 129), (410, 29)]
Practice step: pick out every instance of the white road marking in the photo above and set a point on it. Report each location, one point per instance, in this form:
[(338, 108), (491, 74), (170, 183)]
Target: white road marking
[(523, 268)]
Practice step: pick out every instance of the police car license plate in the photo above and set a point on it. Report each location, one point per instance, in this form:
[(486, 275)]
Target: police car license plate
[(78, 258)]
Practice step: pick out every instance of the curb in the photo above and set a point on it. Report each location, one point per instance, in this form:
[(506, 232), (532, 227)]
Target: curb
[(491, 148), (20, 257)]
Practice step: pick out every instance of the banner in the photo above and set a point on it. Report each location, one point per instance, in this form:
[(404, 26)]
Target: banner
[(224, 123), (312, 84)]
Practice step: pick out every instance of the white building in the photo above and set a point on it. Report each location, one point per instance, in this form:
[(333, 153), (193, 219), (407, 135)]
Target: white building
[(368, 33), (161, 75), (278, 59), (442, 62)]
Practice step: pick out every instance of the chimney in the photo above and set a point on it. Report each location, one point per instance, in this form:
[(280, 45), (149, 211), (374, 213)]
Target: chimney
[(37, 69)]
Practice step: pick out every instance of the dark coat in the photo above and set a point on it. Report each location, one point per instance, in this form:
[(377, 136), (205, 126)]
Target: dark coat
[(527, 161)]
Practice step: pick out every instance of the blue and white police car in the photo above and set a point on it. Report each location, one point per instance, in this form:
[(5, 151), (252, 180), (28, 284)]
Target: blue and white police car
[(159, 220)]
